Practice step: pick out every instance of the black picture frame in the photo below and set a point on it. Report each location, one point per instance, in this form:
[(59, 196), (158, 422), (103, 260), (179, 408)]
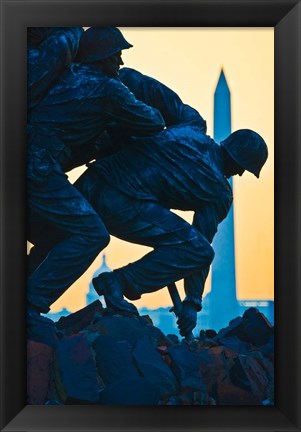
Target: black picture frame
[(284, 16)]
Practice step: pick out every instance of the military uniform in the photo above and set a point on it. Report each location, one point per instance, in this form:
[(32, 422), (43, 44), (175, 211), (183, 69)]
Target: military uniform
[(76, 110), (49, 51), (154, 93), (133, 192)]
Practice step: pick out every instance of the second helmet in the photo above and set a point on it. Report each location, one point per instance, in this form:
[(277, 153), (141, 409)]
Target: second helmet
[(99, 43), (248, 149)]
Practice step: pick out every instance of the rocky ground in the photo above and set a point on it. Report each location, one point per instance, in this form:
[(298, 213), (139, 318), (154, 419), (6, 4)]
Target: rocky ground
[(101, 358)]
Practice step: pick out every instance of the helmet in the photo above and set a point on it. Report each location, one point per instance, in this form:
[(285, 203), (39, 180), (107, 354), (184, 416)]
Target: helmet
[(99, 43), (248, 149)]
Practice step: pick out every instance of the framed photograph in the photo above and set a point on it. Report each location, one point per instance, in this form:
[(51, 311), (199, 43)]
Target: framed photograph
[(277, 26)]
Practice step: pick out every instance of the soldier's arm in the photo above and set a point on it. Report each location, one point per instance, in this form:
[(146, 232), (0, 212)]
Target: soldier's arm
[(173, 110), (102, 147), (156, 94), (206, 221), (131, 116), (46, 62)]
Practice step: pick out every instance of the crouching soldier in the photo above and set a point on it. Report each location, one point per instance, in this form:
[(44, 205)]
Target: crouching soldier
[(133, 192)]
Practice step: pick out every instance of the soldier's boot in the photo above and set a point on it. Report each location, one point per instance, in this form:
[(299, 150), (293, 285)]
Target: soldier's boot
[(106, 284)]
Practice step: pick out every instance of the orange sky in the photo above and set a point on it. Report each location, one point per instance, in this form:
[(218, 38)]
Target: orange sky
[(189, 60)]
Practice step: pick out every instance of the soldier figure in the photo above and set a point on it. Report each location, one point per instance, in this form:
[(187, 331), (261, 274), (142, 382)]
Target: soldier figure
[(133, 192), (83, 101)]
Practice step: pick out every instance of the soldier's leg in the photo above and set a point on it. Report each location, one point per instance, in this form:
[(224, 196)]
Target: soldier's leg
[(60, 203), (179, 249), (42, 243)]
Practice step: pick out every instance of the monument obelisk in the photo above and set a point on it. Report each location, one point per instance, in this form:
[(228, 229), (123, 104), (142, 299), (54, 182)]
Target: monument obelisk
[(223, 301)]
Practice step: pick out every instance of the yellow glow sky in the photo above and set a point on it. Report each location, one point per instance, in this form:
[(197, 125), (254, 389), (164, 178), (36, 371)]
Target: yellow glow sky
[(189, 60)]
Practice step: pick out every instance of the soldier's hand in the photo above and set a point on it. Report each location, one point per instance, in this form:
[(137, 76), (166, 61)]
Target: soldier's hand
[(187, 319)]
